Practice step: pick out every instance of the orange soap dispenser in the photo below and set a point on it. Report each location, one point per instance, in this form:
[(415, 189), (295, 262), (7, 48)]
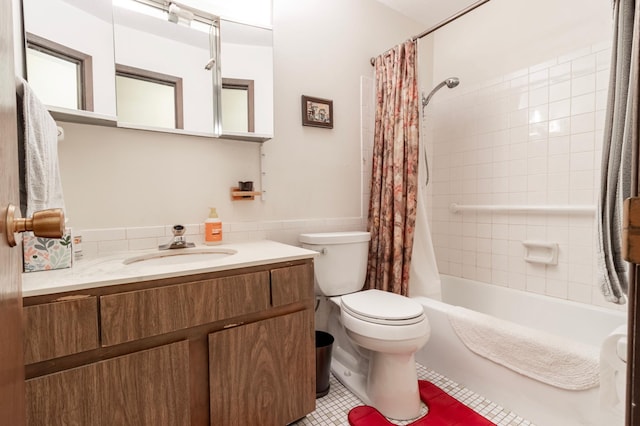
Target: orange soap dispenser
[(213, 228)]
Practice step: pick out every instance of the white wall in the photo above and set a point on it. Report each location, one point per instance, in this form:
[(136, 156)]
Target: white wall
[(127, 178), (524, 127), (322, 51), (503, 36)]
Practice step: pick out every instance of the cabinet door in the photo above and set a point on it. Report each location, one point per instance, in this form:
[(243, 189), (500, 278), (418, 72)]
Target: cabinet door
[(292, 284), (263, 373), (149, 387)]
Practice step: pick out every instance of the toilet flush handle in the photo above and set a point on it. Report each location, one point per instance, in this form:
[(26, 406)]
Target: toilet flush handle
[(323, 250)]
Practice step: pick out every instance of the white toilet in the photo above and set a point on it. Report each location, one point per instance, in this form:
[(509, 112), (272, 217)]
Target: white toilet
[(376, 333)]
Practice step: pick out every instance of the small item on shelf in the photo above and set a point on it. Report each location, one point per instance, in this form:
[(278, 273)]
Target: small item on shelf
[(246, 186), (77, 246), (213, 228)]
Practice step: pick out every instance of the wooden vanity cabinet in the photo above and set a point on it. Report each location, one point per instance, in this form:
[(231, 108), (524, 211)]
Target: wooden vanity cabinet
[(224, 348)]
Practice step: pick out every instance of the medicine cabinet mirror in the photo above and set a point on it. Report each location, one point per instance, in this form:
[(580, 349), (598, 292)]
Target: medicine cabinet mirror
[(247, 79), (162, 56), (150, 64), (69, 55)]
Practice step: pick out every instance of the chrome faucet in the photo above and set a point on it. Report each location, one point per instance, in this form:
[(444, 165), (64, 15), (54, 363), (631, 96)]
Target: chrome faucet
[(178, 241)]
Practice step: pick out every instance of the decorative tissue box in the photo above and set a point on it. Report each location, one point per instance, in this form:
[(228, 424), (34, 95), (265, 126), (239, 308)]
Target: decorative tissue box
[(43, 254)]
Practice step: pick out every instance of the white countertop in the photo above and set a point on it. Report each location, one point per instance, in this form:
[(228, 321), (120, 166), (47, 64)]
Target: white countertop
[(110, 270)]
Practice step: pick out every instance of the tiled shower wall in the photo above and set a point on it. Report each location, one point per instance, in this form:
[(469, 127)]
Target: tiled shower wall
[(531, 137)]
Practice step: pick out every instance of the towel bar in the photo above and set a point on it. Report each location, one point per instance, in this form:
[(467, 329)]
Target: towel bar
[(575, 209)]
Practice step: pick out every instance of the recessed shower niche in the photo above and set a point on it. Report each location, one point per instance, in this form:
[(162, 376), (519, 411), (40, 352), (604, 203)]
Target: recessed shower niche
[(150, 64)]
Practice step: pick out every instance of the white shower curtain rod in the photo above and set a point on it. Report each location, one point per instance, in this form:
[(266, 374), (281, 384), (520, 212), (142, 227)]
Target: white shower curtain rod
[(575, 209), (441, 24)]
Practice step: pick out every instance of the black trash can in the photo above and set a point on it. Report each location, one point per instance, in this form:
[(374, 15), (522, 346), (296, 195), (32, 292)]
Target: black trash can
[(324, 344)]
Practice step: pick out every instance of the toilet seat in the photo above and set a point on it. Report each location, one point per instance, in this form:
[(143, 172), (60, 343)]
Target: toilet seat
[(382, 307)]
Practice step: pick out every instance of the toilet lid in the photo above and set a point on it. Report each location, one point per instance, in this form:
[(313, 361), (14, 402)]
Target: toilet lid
[(382, 307)]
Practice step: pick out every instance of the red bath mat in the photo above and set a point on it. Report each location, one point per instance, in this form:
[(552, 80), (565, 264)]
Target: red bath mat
[(444, 410)]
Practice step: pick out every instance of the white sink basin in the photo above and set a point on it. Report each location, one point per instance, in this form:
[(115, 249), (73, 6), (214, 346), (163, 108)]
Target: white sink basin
[(180, 256)]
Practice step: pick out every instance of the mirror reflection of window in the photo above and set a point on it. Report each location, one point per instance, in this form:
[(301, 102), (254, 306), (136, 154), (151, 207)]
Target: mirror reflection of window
[(247, 53), (60, 76), (157, 43), (238, 105), (148, 98)]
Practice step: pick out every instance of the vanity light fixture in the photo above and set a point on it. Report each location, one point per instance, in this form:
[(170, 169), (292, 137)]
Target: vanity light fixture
[(178, 15), (171, 11)]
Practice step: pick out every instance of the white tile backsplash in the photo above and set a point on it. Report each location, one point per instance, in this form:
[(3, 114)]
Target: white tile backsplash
[(96, 242), (145, 243), (110, 246), (100, 235), (146, 232)]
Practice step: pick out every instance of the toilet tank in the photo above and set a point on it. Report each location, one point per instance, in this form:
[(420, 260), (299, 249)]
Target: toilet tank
[(341, 267)]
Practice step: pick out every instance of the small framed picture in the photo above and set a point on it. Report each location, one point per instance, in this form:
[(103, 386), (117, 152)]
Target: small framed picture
[(317, 112)]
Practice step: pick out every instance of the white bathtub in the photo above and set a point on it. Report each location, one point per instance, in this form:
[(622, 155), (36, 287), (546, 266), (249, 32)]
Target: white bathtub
[(543, 404)]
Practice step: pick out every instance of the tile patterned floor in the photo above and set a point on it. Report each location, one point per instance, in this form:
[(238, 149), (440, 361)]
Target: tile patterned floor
[(332, 410)]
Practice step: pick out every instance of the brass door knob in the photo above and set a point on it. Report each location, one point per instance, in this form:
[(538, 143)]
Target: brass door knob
[(44, 223)]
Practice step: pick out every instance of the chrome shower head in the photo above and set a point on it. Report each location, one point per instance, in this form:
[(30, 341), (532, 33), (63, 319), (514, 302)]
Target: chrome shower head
[(449, 82), (452, 82)]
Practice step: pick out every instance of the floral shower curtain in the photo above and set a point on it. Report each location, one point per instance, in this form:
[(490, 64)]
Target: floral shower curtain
[(392, 208)]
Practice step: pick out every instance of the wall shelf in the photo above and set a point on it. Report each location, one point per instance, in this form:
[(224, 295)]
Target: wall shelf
[(236, 194)]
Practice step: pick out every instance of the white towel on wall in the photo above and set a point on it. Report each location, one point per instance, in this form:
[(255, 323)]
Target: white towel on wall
[(42, 171)]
